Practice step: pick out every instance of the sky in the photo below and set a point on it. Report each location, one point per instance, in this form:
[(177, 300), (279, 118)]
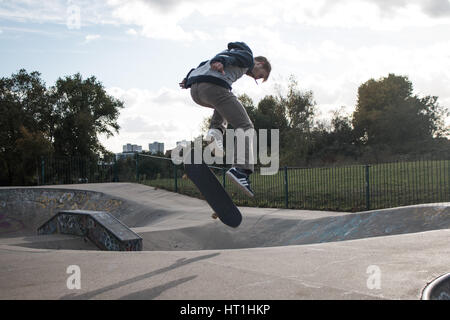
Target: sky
[(141, 49)]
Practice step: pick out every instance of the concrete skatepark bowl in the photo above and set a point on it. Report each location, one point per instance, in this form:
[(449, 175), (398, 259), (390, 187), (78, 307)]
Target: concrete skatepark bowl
[(408, 245)]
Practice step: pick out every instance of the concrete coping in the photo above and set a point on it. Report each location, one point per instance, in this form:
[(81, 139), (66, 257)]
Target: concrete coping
[(102, 228), (108, 221)]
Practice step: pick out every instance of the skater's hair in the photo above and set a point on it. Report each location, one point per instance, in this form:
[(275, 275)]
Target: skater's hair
[(266, 65)]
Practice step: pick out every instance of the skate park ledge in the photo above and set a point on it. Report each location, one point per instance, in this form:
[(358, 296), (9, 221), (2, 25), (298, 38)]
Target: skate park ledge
[(103, 229)]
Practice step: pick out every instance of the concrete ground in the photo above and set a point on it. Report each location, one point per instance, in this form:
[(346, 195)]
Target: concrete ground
[(274, 254)]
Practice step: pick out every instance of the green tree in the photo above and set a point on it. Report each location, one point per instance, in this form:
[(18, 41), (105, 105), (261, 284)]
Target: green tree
[(299, 108), (334, 141), (389, 116), (24, 114), (271, 114), (82, 111), (64, 120)]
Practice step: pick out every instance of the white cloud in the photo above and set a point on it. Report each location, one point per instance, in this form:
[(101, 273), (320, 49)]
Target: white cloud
[(373, 14), (334, 71), (132, 32), (331, 46), (45, 11), (91, 37), (55, 11), (155, 22), (162, 19), (164, 115)]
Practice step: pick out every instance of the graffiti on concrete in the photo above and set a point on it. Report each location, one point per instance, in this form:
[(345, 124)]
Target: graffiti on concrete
[(105, 231), (26, 208)]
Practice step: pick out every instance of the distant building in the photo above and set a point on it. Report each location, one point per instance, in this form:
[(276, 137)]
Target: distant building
[(156, 147), (131, 148), (124, 155), (184, 143), (128, 151), (127, 147)]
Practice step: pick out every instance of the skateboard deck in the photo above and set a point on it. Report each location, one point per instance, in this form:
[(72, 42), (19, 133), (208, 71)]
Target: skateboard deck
[(216, 196)]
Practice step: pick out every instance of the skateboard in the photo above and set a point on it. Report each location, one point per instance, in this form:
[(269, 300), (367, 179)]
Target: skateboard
[(216, 196)]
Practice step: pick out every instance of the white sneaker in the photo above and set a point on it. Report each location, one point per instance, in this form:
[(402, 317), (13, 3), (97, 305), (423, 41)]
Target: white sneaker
[(215, 136)]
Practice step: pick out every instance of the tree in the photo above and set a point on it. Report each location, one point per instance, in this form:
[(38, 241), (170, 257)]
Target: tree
[(388, 115), (271, 114), (334, 141), (82, 111), (24, 112), (299, 108), (64, 120)]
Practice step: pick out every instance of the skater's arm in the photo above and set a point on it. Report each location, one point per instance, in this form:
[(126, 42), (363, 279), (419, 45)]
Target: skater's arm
[(182, 83), (218, 66), (238, 54)]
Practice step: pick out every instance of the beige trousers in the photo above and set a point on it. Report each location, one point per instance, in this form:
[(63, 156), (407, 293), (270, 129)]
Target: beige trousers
[(227, 109)]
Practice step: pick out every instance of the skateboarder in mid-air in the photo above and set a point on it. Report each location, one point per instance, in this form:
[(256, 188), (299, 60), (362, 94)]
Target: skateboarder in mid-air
[(210, 85)]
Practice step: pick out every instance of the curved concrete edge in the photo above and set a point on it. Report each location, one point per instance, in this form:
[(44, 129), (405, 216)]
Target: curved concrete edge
[(438, 289), (169, 221)]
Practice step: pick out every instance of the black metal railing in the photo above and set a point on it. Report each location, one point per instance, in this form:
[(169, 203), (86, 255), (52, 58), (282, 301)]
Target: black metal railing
[(343, 188), (70, 170), (349, 188)]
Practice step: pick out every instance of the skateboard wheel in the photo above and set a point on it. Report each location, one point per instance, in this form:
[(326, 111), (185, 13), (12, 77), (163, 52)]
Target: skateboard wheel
[(214, 215)]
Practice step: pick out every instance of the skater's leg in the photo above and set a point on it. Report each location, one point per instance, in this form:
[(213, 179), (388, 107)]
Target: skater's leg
[(228, 107), (218, 122), (195, 94)]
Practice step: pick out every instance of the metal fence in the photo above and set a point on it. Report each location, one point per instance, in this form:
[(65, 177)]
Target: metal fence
[(341, 188), (69, 170), (344, 188)]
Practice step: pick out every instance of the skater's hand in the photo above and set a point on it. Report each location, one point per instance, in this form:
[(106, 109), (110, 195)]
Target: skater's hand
[(182, 84), (217, 66)]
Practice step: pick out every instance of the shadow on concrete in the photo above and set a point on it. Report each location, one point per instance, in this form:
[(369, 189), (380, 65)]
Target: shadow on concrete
[(153, 292)]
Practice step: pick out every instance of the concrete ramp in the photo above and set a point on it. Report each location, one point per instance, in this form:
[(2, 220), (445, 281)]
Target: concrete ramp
[(170, 221), (105, 231), (289, 228), (23, 210), (438, 289), (275, 253)]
